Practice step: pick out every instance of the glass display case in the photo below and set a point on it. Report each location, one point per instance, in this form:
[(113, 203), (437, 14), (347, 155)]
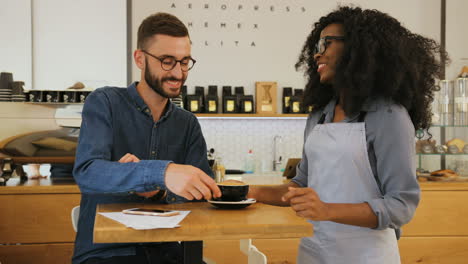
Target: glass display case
[(443, 147), (445, 144)]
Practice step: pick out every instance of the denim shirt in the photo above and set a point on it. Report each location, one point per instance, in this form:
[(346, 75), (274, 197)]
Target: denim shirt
[(116, 121)]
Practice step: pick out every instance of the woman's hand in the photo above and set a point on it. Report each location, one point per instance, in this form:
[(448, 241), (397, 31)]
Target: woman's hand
[(307, 204), (132, 158)]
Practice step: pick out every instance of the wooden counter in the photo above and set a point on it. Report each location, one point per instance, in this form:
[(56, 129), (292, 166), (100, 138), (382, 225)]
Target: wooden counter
[(438, 232), (36, 214), (35, 224), (40, 186)]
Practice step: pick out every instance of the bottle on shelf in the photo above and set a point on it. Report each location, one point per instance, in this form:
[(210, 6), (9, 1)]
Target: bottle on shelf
[(461, 102), (247, 104), (183, 94), (194, 103), (295, 102), (212, 99), (446, 102), (211, 158), (200, 91), (287, 93), (238, 93), (229, 101), (249, 162), (219, 170)]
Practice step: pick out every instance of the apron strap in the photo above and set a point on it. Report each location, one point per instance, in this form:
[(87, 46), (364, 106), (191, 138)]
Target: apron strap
[(362, 116), (322, 119)]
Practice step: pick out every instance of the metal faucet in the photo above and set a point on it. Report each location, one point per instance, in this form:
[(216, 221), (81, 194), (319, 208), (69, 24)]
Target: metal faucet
[(276, 157)]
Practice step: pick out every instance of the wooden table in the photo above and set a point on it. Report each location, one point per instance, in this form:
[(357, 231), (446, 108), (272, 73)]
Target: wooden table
[(205, 222)]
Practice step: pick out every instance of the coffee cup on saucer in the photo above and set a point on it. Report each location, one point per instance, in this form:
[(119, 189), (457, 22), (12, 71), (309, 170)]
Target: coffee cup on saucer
[(233, 191)]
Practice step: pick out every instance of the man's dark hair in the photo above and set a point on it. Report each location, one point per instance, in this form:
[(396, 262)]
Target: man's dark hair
[(160, 23), (381, 58)]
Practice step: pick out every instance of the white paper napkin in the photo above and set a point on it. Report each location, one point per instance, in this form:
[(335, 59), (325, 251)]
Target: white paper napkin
[(142, 222)]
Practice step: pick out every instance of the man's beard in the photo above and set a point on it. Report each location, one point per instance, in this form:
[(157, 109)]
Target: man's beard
[(156, 84)]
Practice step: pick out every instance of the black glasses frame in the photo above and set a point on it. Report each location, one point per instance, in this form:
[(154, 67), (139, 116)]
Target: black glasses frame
[(322, 45), (173, 60)]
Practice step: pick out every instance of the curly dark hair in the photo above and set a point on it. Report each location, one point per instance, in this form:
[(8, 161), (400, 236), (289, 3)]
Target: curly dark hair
[(381, 58)]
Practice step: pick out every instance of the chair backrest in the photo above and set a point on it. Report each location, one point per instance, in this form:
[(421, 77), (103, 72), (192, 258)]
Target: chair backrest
[(75, 213)]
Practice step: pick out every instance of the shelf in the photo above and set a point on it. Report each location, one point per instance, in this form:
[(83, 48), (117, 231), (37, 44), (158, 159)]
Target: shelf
[(74, 107), (251, 116), (447, 160)]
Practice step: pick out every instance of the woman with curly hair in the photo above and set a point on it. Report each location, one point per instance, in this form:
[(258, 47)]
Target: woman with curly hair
[(370, 83)]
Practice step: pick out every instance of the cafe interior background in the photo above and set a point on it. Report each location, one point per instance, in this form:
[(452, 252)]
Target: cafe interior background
[(51, 45)]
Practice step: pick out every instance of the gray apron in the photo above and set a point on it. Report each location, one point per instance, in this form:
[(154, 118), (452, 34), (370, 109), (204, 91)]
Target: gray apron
[(339, 171)]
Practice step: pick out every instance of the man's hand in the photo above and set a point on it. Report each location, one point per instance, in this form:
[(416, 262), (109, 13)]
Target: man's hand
[(307, 204), (132, 158), (129, 158), (190, 182)]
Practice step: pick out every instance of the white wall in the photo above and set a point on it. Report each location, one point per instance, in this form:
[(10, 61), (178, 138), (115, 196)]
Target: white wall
[(457, 36), (278, 39), (79, 41), (51, 44), (15, 39), (86, 40)]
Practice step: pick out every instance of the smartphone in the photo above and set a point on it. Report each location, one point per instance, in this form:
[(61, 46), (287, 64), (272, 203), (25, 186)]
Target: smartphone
[(153, 212)]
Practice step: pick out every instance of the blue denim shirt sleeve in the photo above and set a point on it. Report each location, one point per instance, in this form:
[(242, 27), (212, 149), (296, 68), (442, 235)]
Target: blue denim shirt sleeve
[(393, 143), (94, 170)]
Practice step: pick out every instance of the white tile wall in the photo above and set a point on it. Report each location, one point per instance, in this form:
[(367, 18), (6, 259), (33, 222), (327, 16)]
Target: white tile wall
[(232, 139)]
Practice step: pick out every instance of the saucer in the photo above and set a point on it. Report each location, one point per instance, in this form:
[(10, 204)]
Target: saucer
[(232, 205)]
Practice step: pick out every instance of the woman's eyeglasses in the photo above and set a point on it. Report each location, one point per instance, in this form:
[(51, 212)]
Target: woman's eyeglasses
[(322, 45)]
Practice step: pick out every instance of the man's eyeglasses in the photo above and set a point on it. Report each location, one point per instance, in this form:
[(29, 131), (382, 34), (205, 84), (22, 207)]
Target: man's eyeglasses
[(168, 62), (322, 45)]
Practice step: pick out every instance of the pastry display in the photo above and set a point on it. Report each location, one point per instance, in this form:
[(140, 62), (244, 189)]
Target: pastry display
[(453, 149), (457, 142), (443, 175), (425, 145), (441, 149), (465, 149)]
